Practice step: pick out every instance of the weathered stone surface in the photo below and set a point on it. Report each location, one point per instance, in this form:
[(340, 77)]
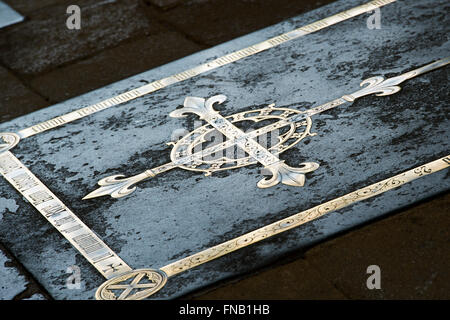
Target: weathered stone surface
[(230, 19), (16, 98), (113, 65), (399, 245), (49, 43), (14, 284), (181, 212), (295, 280)]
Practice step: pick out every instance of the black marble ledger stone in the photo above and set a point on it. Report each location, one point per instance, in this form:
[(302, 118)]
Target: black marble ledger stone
[(182, 212)]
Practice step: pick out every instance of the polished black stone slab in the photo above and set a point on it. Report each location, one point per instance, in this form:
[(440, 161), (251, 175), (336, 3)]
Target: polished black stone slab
[(181, 212)]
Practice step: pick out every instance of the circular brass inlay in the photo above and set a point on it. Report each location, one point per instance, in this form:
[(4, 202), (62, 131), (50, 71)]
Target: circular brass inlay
[(134, 285), (8, 140)]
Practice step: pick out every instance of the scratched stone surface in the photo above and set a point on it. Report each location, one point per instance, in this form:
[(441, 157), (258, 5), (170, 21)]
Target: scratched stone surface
[(181, 212), (12, 282)]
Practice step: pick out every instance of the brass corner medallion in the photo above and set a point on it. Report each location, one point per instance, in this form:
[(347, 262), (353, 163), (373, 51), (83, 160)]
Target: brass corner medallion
[(8, 140), (133, 285)]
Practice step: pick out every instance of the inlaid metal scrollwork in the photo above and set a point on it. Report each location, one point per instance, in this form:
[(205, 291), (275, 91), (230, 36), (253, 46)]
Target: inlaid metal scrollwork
[(297, 126), (192, 152)]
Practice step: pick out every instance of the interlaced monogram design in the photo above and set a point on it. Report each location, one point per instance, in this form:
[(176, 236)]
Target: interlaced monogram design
[(195, 151), (297, 126)]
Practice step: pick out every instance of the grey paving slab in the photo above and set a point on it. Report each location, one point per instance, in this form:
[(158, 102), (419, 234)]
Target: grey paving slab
[(113, 64), (50, 43), (164, 3), (292, 281), (181, 212), (16, 97), (229, 19)]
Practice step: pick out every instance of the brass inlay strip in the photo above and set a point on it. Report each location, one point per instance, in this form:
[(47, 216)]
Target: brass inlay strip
[(112, 267), (219, 62), (61, 217), (142, 283), (304, 217)]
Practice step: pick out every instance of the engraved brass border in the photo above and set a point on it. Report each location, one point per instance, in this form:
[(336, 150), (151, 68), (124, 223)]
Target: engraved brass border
[(96, 252), (217, 63), (286, 224), (102, 257)]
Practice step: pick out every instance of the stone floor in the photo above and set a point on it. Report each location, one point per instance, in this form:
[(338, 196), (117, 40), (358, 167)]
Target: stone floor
[(42, 63)]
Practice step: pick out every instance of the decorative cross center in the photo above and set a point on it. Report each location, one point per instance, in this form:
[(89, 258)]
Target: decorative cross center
[(296, 125)]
